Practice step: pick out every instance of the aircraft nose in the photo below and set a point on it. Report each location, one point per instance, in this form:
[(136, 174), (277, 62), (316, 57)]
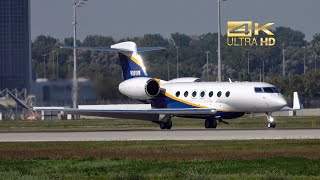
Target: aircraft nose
[(281, 102)]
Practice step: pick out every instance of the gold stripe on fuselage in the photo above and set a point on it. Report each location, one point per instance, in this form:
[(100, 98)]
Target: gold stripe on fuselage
[(183, 101)]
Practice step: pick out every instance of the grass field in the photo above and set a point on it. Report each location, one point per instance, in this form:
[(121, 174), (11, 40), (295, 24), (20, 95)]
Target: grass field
[(255, 159), (107, 124)]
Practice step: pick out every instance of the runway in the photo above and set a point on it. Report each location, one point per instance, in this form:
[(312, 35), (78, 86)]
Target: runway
[(150, 135)]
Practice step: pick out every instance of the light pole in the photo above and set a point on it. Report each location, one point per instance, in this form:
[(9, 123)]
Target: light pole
[(57, 65), (304, 60), (177, 62), (260, 74), (76, 4), (248, 62), (53, 63), (315, 63), (283, 61), (219, 43), (44, 65), (207, 52), (168, 69), (262, 71)]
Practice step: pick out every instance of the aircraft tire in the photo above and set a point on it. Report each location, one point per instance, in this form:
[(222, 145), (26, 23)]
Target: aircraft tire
[(162, 125), (207, 123), (210, 123), (168, 124), (272, 125), (214, 123)]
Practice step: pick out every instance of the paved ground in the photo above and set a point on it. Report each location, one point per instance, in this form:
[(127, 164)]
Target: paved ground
[(137, 135)]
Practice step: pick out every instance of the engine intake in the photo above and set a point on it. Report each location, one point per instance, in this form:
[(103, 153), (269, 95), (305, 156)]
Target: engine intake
[(140, 88)]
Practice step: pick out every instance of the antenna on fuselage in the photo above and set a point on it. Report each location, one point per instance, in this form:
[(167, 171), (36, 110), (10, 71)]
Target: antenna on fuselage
[(230, 80)]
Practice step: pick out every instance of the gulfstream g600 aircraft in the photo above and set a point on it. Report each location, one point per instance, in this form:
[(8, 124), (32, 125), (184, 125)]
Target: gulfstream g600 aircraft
[(182, 97)]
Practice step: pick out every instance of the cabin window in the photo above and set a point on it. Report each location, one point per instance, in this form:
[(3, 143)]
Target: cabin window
[(210, 94), (219, 94), (177, 93), (202, 94), (194, 93), (227, 93), (258, 90), (186, 94)]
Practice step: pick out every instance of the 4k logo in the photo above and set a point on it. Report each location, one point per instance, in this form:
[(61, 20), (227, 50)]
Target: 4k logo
[(241, 33)]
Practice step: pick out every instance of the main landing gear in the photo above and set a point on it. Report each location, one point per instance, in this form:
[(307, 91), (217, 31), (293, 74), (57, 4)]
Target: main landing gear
[(271, 122), (166, 125), (165, 122), (213, 122), (210, 123)]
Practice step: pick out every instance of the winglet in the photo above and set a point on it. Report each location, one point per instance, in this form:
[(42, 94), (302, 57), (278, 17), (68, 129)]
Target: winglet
[(296, 101), (18, 101)]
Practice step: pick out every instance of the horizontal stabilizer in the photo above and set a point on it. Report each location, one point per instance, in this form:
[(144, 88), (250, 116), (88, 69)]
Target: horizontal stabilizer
[(146, 49), (140, 49), (95, 49)]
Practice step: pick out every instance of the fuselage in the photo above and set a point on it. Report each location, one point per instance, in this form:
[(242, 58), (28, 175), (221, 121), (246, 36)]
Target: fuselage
[(230, 99)]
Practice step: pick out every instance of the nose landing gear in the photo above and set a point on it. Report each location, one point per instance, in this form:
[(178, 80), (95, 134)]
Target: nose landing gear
[(271, 122)]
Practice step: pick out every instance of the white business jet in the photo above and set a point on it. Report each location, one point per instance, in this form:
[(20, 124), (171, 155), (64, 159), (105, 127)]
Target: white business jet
[(183, 97)]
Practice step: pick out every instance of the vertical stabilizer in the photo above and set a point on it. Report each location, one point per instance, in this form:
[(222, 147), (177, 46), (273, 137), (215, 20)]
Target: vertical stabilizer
[(131, 62)]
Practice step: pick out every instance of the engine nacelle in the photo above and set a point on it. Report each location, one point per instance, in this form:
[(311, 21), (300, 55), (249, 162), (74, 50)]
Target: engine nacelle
[(141, 88)]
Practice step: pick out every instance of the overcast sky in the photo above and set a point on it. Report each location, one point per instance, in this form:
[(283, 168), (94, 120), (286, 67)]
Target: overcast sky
[(127, 18)]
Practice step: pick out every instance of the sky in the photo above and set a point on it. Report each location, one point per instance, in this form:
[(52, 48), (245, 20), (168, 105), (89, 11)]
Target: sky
[(128, 18)]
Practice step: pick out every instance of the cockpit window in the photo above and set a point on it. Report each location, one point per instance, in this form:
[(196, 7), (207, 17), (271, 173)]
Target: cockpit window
[(268, 90), (258, 90), (275, 90)]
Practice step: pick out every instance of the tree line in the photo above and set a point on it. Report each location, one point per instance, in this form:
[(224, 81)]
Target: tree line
[(265, 63)]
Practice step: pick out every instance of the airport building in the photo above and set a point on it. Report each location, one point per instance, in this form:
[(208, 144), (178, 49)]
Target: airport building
[(15, 45), (58, 92)]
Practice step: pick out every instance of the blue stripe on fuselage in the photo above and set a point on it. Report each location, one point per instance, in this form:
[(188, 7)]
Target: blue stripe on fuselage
[(162, 101)]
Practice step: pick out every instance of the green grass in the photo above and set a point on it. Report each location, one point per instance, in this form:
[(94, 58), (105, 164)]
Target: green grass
[(107, 124), (254, 159), (270, 168)]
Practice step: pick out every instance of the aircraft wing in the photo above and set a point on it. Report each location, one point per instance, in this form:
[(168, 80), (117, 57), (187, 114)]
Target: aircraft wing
[(143, 113), (165, 111)]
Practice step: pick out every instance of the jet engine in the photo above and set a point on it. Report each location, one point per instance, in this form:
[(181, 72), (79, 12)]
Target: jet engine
[(140, 88)]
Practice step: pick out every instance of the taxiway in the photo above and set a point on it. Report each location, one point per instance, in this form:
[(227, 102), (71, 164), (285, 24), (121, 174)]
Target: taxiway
[(151, 135)]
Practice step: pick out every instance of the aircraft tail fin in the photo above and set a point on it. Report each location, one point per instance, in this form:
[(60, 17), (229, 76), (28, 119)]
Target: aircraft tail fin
[(131, 62)]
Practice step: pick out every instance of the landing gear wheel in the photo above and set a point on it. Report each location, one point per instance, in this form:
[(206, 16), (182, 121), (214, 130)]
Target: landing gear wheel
[(162, 125), (210, 123), (271, 125), (214, 124), (169, 124), (207, 123), (166, 125), (271, 122)]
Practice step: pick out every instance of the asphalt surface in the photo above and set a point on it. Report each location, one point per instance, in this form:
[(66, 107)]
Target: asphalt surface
[(150, 135)]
